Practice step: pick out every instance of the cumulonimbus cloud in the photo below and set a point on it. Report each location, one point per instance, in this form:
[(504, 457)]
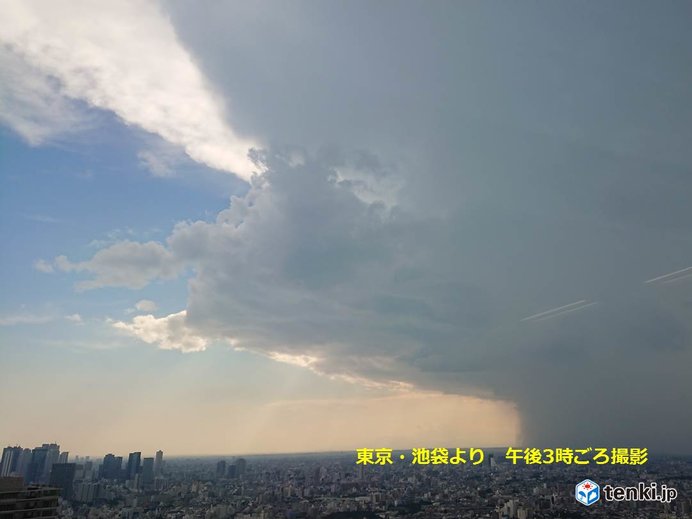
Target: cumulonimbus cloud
[(514, 202), (122, 57), (303, 269)]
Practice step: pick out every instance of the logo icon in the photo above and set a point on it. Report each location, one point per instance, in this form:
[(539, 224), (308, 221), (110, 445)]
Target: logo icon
[(587, 492)]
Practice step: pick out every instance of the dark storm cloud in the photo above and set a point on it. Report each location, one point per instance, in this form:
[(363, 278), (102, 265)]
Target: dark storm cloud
[(541, 155), (302, 266)]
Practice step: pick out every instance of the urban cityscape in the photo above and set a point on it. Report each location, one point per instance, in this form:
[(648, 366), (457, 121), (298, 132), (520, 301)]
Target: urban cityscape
[(45, 482)]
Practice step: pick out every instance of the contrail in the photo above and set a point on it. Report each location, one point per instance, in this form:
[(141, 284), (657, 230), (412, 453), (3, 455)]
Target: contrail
[(678, 278), (566, 311), (668, 275), (559, 309)]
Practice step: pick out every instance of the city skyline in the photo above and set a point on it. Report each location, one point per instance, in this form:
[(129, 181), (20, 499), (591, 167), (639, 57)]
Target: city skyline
[(344, 485)]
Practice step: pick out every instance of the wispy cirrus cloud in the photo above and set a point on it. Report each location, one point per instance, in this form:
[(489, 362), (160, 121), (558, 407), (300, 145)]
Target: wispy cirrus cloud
[(42, 218), (75, 318), (124, 58), (43, 266), (37, 318), (25, 318), (31, 102)]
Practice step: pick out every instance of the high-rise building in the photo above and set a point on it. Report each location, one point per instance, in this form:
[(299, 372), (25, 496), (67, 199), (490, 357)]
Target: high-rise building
[(62, 477), (88, 472), (63, 458), (241, 466), (51, 457), (23, 464), (86, 491), (133, 465), (111, 467), (120, 474), (42, 459), (148, 472), (221, 469), (37, 464), (19, 502), (10, 460), (158, 464)]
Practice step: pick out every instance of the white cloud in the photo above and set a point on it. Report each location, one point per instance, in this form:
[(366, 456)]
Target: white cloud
[(161, 158), (43, 266), (126, 263), (31, 102), (124, 57), (145, 305), (75, 318), (304, 361), (158, 165), (169, 333), (282, 272)]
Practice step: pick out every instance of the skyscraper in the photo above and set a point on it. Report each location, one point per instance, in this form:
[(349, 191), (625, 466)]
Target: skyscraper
[(221, 469), (9, 460), (23, 464), (148, 472), (62, 477), (37, 464), (119, 473), (52, 457), (42, 459), (111, 467), (88, 473), (133, 465), (158, 464), (241, 466), (63, 458)]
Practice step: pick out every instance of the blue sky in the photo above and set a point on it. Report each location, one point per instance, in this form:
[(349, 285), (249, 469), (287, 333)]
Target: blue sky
[(248, 228), (48, 190)]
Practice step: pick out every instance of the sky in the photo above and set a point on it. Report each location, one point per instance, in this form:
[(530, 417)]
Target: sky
[(269, 227)]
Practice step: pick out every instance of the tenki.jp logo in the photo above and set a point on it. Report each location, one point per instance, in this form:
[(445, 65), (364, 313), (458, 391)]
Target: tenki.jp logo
[(587, 492)]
